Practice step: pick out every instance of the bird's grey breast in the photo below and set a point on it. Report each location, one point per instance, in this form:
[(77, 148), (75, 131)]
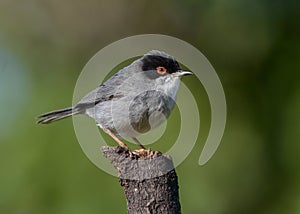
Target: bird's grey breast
[(149, 109)]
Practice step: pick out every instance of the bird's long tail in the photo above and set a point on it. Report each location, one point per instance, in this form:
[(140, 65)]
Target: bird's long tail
[(57, 115)]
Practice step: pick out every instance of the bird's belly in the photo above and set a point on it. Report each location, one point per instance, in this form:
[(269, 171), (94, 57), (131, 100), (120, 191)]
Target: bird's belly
[(132, 116)]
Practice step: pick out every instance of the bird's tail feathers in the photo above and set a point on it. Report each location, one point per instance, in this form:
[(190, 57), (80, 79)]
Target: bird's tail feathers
[(57, 115)]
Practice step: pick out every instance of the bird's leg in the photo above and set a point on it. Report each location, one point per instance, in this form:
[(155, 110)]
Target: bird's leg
[(138, 142), (116, 139)]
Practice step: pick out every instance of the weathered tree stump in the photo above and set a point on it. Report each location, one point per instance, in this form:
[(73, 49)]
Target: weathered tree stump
[(148, 178)]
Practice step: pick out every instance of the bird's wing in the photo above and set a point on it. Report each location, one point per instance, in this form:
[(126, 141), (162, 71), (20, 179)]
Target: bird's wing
[(98, 95), (105, 92)]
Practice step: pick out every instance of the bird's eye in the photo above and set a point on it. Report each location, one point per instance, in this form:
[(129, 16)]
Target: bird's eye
[(161, 70)]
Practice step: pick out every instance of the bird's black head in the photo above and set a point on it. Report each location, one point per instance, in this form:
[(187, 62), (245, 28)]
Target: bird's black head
[(157, 63)]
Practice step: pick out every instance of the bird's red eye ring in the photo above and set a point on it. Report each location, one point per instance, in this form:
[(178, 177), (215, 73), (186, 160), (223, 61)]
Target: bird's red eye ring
[(161, 70)]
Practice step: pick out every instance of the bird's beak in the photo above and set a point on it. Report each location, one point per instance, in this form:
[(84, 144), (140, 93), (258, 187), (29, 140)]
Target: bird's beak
[(181, 73)]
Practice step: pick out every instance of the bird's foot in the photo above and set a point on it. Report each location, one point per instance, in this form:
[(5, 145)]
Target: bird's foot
[(146, 153), (142, 152)]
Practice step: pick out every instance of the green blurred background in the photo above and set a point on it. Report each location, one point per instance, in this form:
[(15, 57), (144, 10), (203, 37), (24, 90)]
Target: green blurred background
[(253, 45)]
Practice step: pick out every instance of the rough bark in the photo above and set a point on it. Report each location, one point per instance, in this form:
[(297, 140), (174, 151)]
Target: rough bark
[(148, 178)]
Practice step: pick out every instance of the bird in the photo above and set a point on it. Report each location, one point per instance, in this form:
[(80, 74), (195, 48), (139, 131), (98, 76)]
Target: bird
[(136, 99)]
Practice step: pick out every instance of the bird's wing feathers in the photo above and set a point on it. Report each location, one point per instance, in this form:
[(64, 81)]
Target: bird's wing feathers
[(105, 92)]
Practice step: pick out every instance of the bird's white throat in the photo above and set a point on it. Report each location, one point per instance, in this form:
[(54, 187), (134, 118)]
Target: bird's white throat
[(169, 86)]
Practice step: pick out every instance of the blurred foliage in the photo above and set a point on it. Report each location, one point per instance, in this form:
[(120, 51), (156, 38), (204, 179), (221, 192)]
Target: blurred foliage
[(254, 47)]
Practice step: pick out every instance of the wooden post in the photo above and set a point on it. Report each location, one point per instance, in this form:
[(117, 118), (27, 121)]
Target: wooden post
[(148, 178)]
